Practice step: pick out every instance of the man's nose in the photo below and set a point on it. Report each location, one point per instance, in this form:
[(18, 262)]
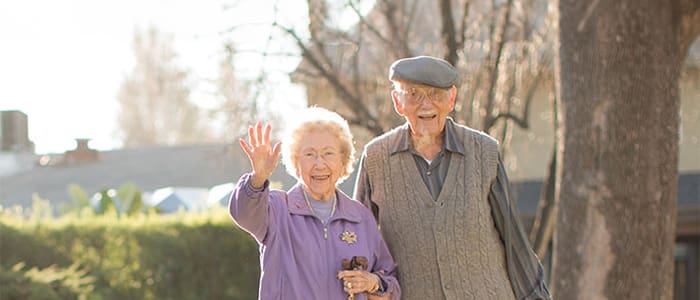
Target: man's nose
[(425, 99)]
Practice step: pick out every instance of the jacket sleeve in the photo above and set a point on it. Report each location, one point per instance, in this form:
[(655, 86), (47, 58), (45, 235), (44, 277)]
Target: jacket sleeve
[(524, 268), (249, 208), (384, 265)]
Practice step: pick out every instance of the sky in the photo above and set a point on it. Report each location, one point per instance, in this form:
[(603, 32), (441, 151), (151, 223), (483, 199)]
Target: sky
[(62, 62)]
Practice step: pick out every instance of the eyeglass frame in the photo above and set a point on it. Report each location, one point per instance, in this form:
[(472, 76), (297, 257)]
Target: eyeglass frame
[(326, 155), (436, 95)]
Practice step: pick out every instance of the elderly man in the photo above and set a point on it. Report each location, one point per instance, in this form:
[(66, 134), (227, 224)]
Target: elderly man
[(441, 197)]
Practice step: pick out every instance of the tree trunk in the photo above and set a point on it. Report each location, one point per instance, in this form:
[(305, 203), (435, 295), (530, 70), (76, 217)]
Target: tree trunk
[(619, 70)]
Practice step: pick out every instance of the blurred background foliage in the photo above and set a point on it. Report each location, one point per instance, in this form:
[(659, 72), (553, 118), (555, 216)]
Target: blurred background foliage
[(123, 252)]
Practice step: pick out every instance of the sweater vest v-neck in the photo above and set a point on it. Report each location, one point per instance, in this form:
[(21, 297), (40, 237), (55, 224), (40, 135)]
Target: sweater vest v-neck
[(447, 248)]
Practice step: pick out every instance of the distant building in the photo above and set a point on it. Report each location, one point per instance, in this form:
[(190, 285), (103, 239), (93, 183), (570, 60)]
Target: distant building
[(14, 132), (172, 199), (16, 150)]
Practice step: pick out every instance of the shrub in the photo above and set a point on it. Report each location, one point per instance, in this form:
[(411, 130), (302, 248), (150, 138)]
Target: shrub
[(177, 256), (49, 283)]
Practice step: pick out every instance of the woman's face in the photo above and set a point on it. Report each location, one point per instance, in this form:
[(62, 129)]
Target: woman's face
[(319, 163)]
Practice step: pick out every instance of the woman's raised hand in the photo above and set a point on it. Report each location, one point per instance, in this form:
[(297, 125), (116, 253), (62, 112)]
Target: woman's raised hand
[(263, 156)]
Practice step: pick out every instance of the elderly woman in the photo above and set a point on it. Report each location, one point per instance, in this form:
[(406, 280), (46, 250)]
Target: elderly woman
[(312, 234)]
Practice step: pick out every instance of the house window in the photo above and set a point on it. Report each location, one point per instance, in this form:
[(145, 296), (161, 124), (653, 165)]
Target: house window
[(685, 271)]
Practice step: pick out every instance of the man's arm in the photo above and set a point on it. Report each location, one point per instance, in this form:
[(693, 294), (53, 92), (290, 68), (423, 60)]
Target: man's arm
[(524, 268), (363, 188)]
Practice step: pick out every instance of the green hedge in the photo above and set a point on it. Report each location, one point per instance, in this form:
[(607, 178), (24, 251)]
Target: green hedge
[(178, 256), (49, 283)]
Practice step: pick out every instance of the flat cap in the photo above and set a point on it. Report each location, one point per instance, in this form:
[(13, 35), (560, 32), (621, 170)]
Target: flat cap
[(427, 70)]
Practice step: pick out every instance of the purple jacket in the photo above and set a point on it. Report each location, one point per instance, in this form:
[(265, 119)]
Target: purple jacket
[(300, 258)]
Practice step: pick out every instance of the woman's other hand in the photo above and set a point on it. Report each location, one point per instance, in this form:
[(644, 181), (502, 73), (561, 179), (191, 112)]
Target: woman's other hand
[(263, 156)]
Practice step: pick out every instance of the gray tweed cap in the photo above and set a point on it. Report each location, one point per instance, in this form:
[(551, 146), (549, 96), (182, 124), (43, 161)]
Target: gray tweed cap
[(427, 70)]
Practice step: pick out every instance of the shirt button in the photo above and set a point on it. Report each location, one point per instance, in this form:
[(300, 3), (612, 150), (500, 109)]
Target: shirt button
[(448, 286), (429, 173)]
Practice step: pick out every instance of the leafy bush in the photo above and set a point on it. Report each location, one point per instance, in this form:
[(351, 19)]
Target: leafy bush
[(50, 283), (177, 256)]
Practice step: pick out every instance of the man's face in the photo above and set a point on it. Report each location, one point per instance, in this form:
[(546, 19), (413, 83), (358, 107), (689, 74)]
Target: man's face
[(424, 107)]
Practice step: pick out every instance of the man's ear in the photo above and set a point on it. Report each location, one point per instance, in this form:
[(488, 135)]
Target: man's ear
[(453, 97), (398, 106)]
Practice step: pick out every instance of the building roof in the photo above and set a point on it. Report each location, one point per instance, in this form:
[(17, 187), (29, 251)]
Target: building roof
[(198, 166), (213, 167), (527, 195), (528, 192)]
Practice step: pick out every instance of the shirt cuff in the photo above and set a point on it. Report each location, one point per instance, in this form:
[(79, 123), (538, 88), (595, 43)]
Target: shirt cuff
[(382, 287), (251, 189)]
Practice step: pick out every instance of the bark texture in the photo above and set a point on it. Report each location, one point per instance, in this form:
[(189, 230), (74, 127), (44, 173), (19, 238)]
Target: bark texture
[(620, 61)]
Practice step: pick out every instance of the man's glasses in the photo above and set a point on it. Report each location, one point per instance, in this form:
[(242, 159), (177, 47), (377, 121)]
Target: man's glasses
[(415, 95)]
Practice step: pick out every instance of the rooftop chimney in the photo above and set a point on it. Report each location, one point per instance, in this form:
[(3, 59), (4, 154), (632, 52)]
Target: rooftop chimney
[(82, 153)]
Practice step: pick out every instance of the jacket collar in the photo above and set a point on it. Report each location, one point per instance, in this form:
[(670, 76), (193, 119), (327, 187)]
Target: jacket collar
[(297, 205)]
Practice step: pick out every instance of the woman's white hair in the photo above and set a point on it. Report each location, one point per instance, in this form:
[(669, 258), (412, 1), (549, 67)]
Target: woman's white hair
[(315, 119)]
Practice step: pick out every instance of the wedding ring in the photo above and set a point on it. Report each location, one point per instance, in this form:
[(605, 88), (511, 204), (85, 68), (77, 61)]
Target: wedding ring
[(349, 285)]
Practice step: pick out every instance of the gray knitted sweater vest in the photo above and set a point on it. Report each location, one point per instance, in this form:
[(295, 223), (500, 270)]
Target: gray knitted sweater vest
[(447, 248)]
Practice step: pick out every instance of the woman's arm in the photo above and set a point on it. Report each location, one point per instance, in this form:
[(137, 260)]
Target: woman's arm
[(250, 200), (379, 281), (249, 207)]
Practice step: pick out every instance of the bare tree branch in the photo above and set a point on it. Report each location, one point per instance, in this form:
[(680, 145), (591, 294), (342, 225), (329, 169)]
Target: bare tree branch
[(449, 35), (500, 41), (522, 122), (463, 24), (373, 29), (361, 113), (389, 11)]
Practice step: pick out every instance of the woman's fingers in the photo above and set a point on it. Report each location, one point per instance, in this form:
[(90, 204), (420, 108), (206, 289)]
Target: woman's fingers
[(266, 134), (251, 136), (355, 287), (356, 281), (263, 156), (245, 147), (276, 149), (259, 133)]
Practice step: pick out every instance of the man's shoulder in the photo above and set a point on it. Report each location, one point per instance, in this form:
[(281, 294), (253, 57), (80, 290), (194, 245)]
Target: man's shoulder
[(471, 132), (387, 137)]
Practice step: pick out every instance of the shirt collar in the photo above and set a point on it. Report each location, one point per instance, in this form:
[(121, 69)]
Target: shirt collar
[(297, 205), (452, 142)]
